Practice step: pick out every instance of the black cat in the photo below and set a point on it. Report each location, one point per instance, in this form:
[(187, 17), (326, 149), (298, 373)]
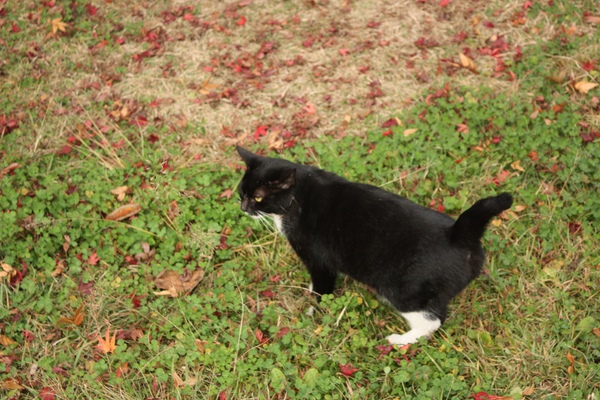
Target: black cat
[(416, 258)]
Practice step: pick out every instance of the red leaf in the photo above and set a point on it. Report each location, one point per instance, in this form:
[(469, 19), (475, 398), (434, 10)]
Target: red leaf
[(241, 21), (389, 123), (93, 259), (486, 396), (65, 150), (347, 370), (282, 332), (384, 350), (153, 138), (47, 393), (91, 9), (501, 177), (444, 3), (275, 278), (260, 131), (140, 121), (29, 335), (268, 293), (533, 155), (527, 5), (260, 336), (223, 395), (14, 28), (588, 66), (86, 288), (387, 133)]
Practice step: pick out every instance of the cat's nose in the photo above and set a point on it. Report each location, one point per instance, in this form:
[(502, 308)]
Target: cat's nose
[(244, 205)]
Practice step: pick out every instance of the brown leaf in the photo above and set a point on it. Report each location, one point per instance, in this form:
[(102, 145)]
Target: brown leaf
[(60, 267), (125, 211), (467, 63), (120, 192), (108, 344), (517, 166), (584, 86), (76, 319), (8, 169), (7, 271), (6, 341), (409, 132), (592, 19), (175, 284), (10, 384)]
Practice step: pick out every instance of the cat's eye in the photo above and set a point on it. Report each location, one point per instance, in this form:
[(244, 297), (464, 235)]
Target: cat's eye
[(258, 199)]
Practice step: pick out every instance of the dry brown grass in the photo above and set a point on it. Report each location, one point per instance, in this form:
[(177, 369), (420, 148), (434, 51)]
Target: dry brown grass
[(301, 69)]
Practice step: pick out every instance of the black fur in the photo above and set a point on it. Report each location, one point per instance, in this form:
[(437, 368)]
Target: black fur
[(416, 258)]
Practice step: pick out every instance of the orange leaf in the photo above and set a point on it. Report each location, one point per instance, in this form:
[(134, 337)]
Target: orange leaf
[(10, 384), (466, 62), (58, 25), (107, 345), (76, 319), (6, 341), (125, 211)]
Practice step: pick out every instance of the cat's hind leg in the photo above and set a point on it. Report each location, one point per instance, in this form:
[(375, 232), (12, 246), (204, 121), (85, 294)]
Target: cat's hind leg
[(421, 323)]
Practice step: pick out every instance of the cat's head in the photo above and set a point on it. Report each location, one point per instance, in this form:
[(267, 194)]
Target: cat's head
[(267, 186)]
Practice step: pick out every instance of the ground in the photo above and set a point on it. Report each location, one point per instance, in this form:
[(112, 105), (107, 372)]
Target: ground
[(129, 271)]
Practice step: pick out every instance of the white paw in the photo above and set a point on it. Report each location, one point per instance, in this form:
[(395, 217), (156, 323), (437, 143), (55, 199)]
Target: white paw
[(407, 338)]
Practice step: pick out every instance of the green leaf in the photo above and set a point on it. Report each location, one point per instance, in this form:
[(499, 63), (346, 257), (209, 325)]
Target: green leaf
[(310, 377), (277, 379), (586, 325)]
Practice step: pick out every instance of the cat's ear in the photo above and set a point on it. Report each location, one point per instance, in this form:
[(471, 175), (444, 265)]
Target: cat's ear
[(287, 178), (247, 156)]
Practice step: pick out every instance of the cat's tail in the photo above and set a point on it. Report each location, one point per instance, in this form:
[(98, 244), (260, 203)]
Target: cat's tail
[(470, 225)]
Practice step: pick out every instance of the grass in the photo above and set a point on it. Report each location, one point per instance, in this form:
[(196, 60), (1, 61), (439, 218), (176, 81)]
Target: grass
[(153, 98)]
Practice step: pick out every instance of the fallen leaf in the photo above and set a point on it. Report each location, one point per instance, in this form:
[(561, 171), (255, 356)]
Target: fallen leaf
[(120, 192), (10, 384), (59, 269), (409, 132), (58, 25), (528, 391), (125, 211), (122, 370), (108, 344), (7, 271), (467, 63), (348, 370), (6, 341), (9, 169), (76, 319), (592, 19), (519, 208), (584, 86), (176, 284), (47, 393), (517, 166), (180, 382), (93, 258)]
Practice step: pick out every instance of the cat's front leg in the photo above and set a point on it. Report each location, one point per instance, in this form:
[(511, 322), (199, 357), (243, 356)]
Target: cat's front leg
[(322, 282), (421, 323)]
